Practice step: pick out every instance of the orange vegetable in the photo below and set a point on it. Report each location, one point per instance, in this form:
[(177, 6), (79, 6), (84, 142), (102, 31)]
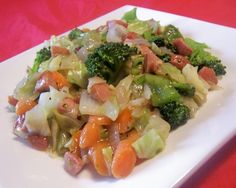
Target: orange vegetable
[(23, 106), (125, 157), (97, 158), (59, 79), (57, 50), (124, 120), (100, 120), (74, 147), (90, 135), (124, 160)]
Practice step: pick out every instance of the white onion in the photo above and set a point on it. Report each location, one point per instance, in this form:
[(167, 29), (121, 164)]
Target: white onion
[(147, 93), (82, 54), (116, 32)]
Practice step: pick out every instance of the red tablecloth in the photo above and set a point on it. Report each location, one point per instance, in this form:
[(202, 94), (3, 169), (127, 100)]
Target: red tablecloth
[(26, 23)]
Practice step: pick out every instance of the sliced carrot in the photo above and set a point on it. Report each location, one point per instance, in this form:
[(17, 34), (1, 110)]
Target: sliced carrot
[(60, 80), (23, 106), (100, 120), (12, 101), (124, 120), (57, 50), (90, 135), (124, 160), (97, 158), (100, 92), (74, 147)]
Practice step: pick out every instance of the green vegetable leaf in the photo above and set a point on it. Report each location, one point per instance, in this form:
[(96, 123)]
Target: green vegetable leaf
[(200, 57), (130, 16), (148, 145)]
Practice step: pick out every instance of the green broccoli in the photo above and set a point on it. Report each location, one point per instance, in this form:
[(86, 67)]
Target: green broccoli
[(41, 56), (171, 32), (107, 60), (184, 89), (137, 64), (75, 33), (200, 57), (175, 113), (165, 58)]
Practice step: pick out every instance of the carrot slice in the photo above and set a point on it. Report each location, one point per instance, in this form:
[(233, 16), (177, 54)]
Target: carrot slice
[(125, 157), (97, 158), (57, 50), (23, 106), (74, 147), (124, 120), (124, 160), (60, 80), (89, 135), (100, 120)]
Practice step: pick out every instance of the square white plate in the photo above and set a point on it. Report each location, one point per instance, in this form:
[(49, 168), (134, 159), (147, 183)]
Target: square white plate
[(187, 147)]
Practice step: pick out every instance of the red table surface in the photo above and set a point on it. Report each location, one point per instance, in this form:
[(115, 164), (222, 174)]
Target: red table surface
[(27, 23)]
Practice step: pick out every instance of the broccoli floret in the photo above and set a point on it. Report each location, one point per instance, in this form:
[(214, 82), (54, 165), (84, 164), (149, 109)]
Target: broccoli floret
[(107, 60), (75, 33), (184, 89), (175, 113), (171, 32), (200, 57), (41, 56), (165, 58), (218, 67), (159, 41)]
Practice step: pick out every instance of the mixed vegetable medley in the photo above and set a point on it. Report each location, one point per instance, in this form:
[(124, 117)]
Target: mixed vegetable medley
[(110, 96)]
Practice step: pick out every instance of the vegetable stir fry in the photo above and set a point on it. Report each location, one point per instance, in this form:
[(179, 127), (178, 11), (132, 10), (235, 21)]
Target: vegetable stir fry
[(110, 96)]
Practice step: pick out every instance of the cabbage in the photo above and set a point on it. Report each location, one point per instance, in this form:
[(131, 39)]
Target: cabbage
[(54, 64), (107, 154), (36, 121), (192, 77), (148, 145), (139, 27), (66, 123), (50, 100), (130, 16), (78, 76), (191, 104), (159, 125), (25, 88), (173, 73), (123, 91), (90, 106)]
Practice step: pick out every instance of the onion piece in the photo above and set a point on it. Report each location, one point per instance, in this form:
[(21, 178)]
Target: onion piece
[(116, 32)]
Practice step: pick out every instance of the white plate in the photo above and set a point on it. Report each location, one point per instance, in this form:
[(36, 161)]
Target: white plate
[(187, 147)]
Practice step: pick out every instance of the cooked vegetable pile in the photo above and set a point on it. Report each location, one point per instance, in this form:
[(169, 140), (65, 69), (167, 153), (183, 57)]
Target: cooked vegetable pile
[(110, 96)]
